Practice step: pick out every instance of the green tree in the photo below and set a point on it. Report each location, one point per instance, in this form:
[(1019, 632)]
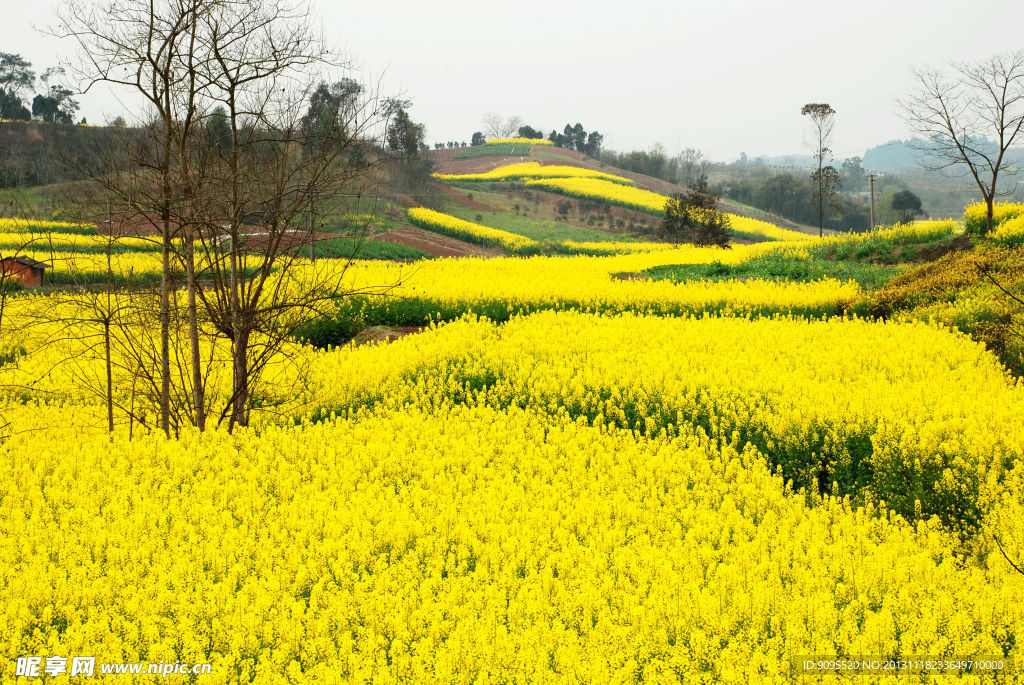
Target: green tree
[(331, 108), (530, 132), (907, 206), (218, 129), (56, 107), (695, 218), (15, 73), (404, 135), (579, 136), (852, 174), (477, 139), (825, 178), (11, 107)]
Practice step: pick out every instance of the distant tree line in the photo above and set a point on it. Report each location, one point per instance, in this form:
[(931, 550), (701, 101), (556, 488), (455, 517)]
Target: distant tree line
[(793, 195), (688, 168), (53, 105)]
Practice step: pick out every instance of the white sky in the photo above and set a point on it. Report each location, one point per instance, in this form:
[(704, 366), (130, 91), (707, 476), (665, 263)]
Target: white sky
[(725, 77)]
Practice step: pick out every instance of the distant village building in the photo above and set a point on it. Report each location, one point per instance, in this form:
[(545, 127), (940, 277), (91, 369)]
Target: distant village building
[(30, 272)]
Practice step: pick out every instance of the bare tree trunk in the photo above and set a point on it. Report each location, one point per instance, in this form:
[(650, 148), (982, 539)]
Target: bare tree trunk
[(106, 338), (821, 204), (240, 397), (165, 327), (110, 376), (198, 389)]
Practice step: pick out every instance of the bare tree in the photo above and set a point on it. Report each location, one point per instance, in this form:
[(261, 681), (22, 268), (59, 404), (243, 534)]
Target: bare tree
[(263, 190), (970, 120), (495, 126), (151, 49), (230, 172), (825, 177), (691, 167)]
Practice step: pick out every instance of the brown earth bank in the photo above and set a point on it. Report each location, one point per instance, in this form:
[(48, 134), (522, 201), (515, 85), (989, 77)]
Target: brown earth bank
[(445, 162), (435, 244)]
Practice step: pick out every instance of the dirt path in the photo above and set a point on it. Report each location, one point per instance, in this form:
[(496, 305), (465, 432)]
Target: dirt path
[(437, 245)]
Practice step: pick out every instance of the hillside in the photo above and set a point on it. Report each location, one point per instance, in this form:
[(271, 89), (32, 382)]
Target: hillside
[(447, 163)]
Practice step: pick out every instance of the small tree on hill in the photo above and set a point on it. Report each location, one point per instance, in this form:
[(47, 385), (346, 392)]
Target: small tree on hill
[(695, 218)]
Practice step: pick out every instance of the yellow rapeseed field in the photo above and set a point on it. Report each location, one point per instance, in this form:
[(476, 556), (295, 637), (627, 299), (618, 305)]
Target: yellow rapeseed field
[(610, 480), (534, 170), (526, 141), (466, 230), (495, 515)]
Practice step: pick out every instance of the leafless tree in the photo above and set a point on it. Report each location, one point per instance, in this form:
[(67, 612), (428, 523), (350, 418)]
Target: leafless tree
[(150, 48), (970, 119), (496, 126), (263, 189), (691, 167), (229, 171)]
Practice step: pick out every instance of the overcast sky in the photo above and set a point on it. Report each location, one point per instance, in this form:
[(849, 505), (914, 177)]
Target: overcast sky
[(725, 77)]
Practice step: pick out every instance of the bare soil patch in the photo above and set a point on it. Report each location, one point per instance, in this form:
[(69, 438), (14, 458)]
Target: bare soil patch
[(445, 162), (437, 245), (384, 334), (930, 253)]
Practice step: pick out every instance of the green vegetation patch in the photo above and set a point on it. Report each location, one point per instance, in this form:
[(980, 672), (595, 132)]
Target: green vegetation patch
[(356, 248), (500, 149), (538, 229), (776, 267)]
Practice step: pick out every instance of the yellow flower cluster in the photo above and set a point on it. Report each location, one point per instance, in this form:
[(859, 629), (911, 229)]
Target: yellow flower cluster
[(976, 217), (1010, 230), (604, 190), (519, 141), (611, 494), (72, 242), (596, 283), (535, 170), (978, 212), (491, 521), (746, 227), (447, 224), (16, 225)]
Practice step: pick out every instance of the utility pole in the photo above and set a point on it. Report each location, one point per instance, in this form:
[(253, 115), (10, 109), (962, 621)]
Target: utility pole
[(871, 181)]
